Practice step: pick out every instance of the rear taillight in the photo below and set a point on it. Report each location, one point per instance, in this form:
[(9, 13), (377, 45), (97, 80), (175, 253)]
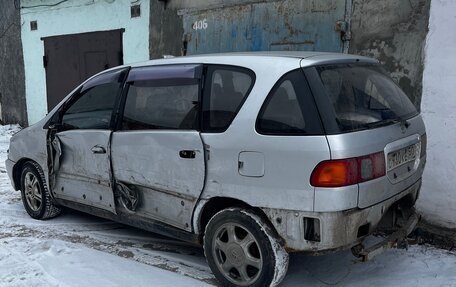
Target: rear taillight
[(343, 172), (423, 145)]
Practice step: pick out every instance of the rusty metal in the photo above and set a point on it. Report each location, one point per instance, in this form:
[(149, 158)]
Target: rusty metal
[(391, 241), (266, 26)]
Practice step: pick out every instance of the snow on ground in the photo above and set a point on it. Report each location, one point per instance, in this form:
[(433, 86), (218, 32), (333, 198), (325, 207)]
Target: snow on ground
[(81, 250), (38, 262)]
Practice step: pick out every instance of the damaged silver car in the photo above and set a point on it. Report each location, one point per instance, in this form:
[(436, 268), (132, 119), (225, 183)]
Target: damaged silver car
[(252, 155)]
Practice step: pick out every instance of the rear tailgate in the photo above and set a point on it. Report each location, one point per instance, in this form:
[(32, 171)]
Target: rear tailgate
[(398, 143), (364, 112)]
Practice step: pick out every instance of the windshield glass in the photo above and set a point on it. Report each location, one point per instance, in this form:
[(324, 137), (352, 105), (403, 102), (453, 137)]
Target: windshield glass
[(364, 96)]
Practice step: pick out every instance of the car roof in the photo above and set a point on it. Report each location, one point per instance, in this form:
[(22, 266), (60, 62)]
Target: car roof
[(240, 58)]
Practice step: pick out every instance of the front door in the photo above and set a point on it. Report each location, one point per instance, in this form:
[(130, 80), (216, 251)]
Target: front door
[(157, 152), (83, 136), (78, 57)]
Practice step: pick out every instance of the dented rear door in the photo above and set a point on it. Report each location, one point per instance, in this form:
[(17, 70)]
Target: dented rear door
[(157, 152)]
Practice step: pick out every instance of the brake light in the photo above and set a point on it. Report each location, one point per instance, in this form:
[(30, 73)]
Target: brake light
[(423, 145), (343, 172)]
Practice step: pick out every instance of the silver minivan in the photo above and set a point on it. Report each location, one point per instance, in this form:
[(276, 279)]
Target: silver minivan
[(252, 155)]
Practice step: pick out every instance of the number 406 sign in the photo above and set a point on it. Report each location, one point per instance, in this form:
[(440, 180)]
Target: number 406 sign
[(200, 25)]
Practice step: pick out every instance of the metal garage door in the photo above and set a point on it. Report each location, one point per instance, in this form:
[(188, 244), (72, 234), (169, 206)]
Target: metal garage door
[(294, 25), (70, 59)]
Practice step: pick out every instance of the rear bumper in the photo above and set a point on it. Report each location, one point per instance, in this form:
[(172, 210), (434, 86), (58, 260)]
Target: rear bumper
[(336, 230)]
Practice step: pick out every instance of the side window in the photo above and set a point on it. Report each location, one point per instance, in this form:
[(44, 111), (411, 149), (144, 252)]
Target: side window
[(289, 108), (225, 92), (92, 107), (161, 107)]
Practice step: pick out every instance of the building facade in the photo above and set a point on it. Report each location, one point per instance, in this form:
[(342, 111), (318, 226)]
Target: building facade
[(392, 31), (65, 42), (70, 37)]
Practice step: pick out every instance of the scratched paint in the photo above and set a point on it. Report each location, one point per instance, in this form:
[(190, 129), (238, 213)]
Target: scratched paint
[(268, 26)]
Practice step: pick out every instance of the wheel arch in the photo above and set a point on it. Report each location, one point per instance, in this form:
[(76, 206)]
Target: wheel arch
[(216, 204), (17, 171)]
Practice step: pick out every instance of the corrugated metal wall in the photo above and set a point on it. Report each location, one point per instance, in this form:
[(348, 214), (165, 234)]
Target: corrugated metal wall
[(267, 26)]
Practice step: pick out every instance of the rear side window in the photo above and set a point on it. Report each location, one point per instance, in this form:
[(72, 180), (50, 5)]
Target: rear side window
[(289, 109), (225, 91), (364, 96), (162, 97), (167, 107)]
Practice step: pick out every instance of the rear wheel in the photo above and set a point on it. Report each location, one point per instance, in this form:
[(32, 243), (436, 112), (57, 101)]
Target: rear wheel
[(242, 250), (35, 194)]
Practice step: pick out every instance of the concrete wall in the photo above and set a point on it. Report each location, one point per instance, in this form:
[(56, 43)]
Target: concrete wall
[(12, 86), (394, 32), (72, 17), (438, 199)]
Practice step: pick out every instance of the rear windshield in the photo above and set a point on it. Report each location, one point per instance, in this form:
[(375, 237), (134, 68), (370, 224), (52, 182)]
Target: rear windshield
[(364, 96)]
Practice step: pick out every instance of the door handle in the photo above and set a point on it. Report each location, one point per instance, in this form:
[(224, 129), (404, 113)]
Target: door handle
[(98, 149), (187, 154)]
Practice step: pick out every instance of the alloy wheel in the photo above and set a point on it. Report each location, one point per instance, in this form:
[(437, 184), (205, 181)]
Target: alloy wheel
[(237, 254)]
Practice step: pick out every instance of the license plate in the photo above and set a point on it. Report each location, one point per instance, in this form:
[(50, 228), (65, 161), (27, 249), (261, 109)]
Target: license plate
[(403, 156)]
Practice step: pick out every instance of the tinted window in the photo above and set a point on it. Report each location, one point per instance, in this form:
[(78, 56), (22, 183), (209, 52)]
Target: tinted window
[(92, 107), (226, 90), (363, 96), (289, 109), (161, 107)]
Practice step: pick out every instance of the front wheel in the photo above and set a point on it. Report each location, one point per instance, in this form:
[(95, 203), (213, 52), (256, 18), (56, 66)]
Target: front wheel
[(242, 250), (35, 194)]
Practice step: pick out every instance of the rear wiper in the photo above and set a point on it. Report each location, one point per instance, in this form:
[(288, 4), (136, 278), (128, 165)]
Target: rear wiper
[(381, 123), (403, 122)]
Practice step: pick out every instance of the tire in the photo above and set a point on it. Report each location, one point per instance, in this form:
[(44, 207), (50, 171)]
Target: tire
[(35, 194), (242, 250)]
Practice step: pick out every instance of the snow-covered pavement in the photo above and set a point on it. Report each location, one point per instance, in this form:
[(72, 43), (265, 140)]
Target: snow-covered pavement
[(80, 250)]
